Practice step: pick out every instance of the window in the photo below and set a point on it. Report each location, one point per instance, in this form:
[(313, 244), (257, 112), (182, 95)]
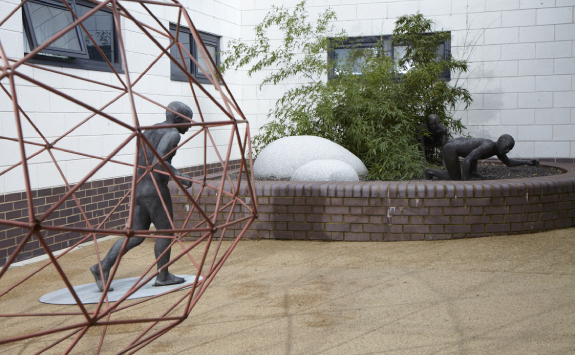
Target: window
[(396, 52), (212, 43), (44, 18)]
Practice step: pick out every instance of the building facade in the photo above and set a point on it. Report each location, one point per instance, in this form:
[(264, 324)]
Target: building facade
[(521, 57)]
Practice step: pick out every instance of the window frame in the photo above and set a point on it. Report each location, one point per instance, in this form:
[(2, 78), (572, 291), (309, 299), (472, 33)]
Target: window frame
[(31, 35), (76, 62), (209, 39), (371, 41)]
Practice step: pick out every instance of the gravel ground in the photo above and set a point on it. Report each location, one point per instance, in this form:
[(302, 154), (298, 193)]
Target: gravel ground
[(497, 171), (490, 171)]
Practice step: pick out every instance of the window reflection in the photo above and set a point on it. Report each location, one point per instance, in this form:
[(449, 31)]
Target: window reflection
[(101, 28), (202, 62)]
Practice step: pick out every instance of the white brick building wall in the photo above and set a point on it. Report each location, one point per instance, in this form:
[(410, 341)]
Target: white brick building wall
[(55, 115), (521, 54), (522, 77)]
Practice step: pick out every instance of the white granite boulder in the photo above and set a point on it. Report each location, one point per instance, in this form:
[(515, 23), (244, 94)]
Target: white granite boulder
[(284, 156), (325, 170)]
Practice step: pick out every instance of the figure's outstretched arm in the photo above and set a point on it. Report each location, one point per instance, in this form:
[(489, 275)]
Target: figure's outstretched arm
[(167, 143), (517, 162)]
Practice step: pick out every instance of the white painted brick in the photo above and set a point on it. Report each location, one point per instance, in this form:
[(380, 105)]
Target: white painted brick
[(518, 51), (484, 85), (573, 115), (70, 143), (553, 83), (502, 35), (553, 116), (535, 100), (14, 180), (451, 22), (484, 117), (565, 66), (72, 120), (565, 32), (358, 28), (478, 102), (486, 53), (14, 23), (535, 4), (554, 49), (483, 20), (535, 133), (40, 103), (522, 150), (435, 7), (498, 5), (564, 99), (518, 18), (466, 7), (537, 34), (253, 17), (518, 84), (13, 43), (371, 11), (500, 101), (554, 16), (560, 3), (552, 149), (501, 68), (76, 170), (345, 12), (325, 2), (397, 9), (475, 131), (518, 117), (475, 70), (536, 67), (494, 132)]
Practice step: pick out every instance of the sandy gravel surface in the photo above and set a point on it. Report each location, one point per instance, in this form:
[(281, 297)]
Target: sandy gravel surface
[(497, 295)]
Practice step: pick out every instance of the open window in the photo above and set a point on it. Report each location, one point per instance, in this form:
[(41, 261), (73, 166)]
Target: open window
[(212, 43), (44, 18)]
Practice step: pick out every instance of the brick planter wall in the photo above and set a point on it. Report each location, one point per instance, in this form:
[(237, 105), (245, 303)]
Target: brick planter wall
[(97, 199), (397, 211)]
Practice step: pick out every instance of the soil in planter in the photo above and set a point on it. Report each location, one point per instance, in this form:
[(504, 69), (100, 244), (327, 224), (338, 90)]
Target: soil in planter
[(490, 171)]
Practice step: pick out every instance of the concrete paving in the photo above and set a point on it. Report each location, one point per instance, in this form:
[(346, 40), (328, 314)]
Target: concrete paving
[(496, 295)]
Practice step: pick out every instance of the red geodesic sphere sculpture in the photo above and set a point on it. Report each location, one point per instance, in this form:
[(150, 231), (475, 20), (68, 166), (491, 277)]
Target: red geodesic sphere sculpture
[(26, 138)]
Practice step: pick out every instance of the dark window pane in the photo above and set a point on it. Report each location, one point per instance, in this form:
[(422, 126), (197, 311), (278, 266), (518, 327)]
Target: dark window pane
[(101, 28), (184, 38), (47, 21)]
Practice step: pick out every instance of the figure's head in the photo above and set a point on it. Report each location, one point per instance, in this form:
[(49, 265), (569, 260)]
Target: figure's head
[(504, 144), (432, 122), (182, 109)]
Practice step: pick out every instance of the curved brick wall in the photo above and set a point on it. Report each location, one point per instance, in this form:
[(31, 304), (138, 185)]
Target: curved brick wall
[(394, 211)]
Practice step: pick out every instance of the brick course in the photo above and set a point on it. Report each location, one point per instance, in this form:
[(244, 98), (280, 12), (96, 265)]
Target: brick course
[(97, 199), (400, 211)]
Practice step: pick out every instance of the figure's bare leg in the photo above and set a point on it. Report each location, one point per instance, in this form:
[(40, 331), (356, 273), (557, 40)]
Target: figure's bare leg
[(110, 260), (474, 172), (164, 278), (141, 221), (440, 174), (161, 221), (452, 162)]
